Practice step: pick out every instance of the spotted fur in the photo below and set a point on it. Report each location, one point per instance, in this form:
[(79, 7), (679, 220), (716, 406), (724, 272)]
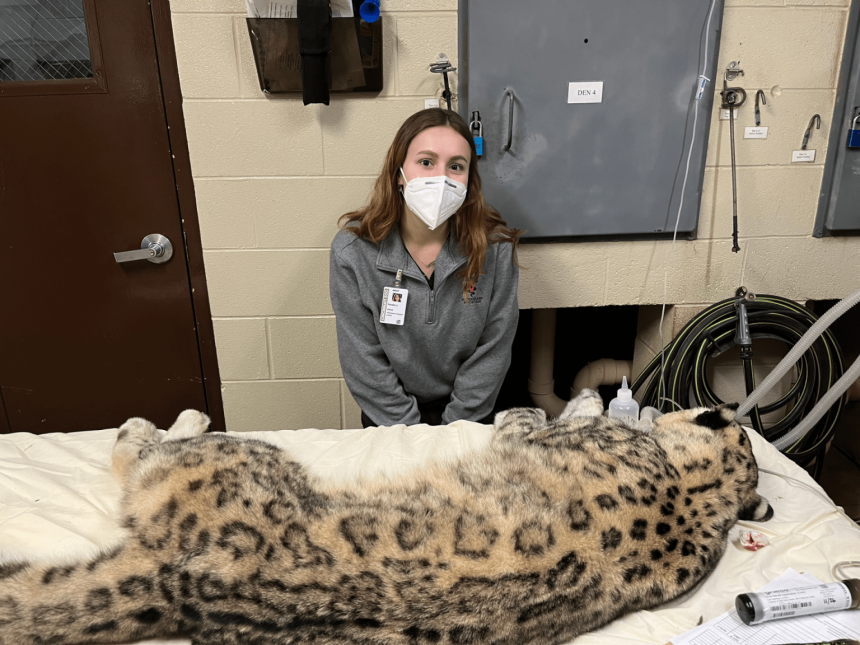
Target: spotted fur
[(555, 529)]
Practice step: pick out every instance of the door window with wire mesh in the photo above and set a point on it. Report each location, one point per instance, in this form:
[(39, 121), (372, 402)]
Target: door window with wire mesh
[(47, 41)]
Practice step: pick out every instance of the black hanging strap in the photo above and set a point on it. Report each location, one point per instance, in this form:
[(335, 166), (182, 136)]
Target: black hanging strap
[(314, 46)]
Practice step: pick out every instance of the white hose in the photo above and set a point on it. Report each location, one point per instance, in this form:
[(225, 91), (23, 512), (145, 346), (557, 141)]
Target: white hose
[(789, 361), (799, 431)]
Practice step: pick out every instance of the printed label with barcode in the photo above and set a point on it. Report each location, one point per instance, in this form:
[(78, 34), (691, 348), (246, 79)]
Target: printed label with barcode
[(802, 601), (784, 607)]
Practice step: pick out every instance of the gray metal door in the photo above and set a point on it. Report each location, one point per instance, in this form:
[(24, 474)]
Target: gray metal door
[(839, 204), (590, 169)]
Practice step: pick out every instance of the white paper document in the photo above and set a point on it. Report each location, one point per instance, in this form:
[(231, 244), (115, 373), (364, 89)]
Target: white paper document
[(287, 8), (728, 629)]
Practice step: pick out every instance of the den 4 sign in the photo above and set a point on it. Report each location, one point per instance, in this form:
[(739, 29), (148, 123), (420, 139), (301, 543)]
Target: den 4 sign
[(591, 92)]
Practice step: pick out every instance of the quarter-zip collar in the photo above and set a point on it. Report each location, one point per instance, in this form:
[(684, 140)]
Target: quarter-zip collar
[(393, 256)]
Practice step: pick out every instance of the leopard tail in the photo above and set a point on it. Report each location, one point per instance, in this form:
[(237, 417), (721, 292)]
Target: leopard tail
[(117, 596)]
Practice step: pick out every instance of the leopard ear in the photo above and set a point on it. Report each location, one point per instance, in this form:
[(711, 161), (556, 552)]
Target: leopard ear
[(718, 418)]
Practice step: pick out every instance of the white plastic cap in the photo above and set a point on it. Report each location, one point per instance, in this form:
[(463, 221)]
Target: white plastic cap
[(625, 394)]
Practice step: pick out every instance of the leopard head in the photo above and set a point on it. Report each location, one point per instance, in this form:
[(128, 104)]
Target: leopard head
[(717, 429)]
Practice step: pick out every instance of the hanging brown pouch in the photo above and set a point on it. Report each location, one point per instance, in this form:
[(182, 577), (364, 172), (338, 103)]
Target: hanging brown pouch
[(354, 63)]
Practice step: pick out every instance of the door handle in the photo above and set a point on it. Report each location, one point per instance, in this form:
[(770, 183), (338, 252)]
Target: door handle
[(507, 146), (155, 248)]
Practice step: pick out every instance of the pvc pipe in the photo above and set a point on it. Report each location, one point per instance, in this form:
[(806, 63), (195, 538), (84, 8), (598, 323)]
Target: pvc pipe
[(796, 352), (605, 371), (541, 383)]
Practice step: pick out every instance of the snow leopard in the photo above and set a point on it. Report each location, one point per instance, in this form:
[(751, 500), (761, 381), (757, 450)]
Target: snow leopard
[(553, 529)]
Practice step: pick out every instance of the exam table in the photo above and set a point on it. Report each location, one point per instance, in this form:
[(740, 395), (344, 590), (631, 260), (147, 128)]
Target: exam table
[(58, 501)]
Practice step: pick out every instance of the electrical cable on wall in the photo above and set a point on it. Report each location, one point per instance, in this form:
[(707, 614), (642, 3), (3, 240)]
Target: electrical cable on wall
[(701, 81)]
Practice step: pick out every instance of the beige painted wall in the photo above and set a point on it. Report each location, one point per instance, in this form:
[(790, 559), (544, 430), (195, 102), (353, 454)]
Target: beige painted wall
[(272, 176)]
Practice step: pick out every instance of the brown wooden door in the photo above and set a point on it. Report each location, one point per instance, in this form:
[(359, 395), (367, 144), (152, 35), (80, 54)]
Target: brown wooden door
[(86, 170)]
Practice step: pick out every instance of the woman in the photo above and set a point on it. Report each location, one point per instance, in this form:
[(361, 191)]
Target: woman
[(441, 351)]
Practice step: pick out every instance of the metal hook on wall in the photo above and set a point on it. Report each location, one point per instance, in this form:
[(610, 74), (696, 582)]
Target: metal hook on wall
[(733, 97), (443, 66), (759, 95), (815, 119)]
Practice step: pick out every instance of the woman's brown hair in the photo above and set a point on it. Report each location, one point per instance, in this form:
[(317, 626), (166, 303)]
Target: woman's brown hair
[(476, 224)]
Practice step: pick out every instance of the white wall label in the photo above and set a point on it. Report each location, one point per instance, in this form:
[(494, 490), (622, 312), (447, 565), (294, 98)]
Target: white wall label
[(431, 103), (585, 92), (756, 133), (802, 155), (724, 114)]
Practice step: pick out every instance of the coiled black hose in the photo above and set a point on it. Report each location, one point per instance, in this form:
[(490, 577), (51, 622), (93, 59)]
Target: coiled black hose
[(712, 332)]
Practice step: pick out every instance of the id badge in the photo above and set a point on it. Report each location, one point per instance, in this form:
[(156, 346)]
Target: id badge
[(393, 305)]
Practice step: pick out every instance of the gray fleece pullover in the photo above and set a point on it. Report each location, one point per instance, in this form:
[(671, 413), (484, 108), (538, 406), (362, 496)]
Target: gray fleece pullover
[(444, 347)]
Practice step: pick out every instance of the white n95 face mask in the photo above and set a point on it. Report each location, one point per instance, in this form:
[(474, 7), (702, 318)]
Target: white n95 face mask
[(433, 199)]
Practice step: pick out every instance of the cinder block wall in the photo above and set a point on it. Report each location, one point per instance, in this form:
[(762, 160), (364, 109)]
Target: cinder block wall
[(272, 176)]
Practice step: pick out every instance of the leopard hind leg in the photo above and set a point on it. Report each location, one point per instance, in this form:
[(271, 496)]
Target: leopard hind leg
[(189, 423), (518, 422), (134, 436), (587, 403)]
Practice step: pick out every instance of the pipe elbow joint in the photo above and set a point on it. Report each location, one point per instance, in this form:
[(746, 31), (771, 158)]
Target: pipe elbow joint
[(605, 371)]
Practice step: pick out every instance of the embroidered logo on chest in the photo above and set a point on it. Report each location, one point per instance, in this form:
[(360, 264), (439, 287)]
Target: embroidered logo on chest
[(474, 298)]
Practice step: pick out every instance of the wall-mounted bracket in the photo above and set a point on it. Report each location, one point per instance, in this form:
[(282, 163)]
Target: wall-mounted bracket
[(734, 70), (443, 66)]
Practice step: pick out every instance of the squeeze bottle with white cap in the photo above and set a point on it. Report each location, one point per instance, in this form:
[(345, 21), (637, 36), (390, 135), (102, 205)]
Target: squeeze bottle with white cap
[(624, 407)]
